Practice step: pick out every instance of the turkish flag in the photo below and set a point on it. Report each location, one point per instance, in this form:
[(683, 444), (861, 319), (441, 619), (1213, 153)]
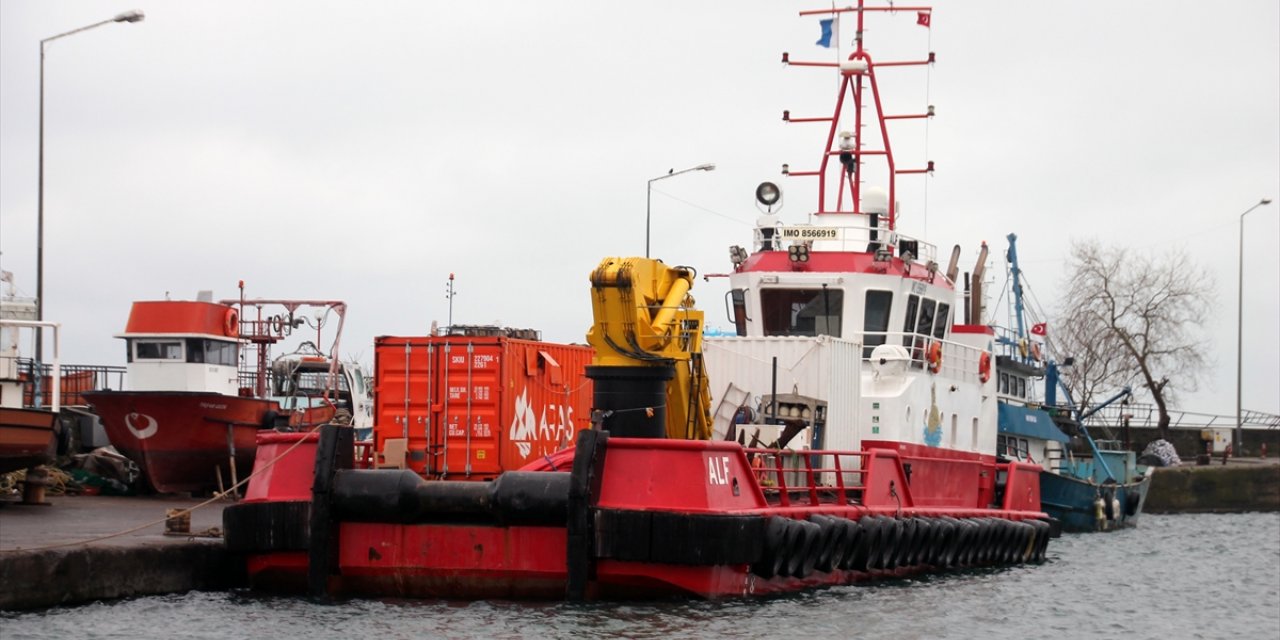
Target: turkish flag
[(922, 18), (1039, 329)]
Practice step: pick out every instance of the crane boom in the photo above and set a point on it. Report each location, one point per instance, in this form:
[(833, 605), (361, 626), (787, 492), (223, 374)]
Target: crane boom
[(648, 334)]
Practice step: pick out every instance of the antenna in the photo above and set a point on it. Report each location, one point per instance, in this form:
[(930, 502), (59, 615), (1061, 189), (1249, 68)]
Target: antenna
[(450, 292)]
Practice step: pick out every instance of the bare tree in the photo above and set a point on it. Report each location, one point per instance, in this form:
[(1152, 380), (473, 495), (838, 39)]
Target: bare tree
[(1139, 318), (1096, 372)]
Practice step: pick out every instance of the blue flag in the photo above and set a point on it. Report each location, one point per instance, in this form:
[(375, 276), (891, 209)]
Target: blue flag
[(825, 40)]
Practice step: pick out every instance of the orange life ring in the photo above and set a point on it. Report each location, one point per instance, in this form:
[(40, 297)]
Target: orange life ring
[(231, 323), (984, 367), (1035, 351), (935, 357)]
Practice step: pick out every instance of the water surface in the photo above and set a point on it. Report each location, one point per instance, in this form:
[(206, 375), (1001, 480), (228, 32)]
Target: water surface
[(1184, 576)]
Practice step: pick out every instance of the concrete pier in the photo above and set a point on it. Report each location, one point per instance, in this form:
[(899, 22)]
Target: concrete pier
[(1243, 484), (45, 562)]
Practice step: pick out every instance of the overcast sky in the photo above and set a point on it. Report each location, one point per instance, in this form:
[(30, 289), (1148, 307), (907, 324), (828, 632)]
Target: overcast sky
[(363, 151)]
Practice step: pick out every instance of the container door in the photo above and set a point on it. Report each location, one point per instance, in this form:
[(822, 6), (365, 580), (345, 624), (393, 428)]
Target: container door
[(470, 389), (402, 398)]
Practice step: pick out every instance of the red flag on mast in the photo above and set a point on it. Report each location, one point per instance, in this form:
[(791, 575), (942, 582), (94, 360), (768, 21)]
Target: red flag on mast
[(922, 18), (1039, 329)]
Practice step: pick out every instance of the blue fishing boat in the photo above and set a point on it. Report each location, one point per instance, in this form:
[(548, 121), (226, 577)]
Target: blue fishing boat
[(1086, 484)]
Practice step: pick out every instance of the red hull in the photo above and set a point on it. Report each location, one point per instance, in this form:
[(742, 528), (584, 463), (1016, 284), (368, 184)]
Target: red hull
[(705, 500), (181, 441), (26, 438)]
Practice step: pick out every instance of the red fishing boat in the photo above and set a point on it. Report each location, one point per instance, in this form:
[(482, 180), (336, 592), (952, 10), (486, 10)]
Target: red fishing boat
[(27, 432), (202, 383), (871, 451)]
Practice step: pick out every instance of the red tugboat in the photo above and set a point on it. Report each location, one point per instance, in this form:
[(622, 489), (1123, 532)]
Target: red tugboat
[(859, 470), (191, 417)]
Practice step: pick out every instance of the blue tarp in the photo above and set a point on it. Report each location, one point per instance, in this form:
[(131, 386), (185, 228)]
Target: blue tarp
[(1031, 423)]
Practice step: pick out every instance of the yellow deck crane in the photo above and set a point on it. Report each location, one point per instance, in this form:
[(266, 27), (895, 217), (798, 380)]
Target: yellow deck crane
[(648, 372)]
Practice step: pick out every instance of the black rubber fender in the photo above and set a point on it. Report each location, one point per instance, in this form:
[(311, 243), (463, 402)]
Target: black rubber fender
[(918, 541), (833, 542), (1028, 540), (1012, 540), (902, 556), (269, 418), (969, 554), (1132, 500), (1019, 544), (995, 536), (793, 544), (889, 541), (267, 526), (999, 541), (852, 534), (965, 532), (806, 549), (991, 548), (867, 541), (773, 556), (826, 540), (923, 551), (948, 537), (1042, 539), (876, 549)]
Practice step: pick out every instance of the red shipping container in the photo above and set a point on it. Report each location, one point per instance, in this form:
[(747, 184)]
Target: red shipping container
[(474, 406)]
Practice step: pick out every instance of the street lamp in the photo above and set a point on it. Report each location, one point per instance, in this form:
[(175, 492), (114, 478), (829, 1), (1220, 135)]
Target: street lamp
[(1239, 439), (129, 16), (649, 196)]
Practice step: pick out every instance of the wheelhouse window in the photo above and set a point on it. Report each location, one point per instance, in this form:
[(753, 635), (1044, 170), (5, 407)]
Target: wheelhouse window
[(909, 321), (940, 321), (211, 351), (802, 312), (157, 350), (875, 319), (738, 298), (924, 324), (309, 382)]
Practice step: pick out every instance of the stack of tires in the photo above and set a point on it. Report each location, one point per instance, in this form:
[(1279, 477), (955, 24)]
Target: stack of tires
[(796, 548)]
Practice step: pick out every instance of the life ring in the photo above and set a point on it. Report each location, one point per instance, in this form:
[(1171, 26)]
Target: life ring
[(935, 357), (984, 367), (1035, 351), (231, 323)]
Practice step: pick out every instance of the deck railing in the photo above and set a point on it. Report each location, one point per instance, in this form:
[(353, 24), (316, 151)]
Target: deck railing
[(76, 380)]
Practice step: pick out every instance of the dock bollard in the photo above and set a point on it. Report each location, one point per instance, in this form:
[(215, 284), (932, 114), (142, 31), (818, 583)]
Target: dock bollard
[(177, 521), (33, 485)]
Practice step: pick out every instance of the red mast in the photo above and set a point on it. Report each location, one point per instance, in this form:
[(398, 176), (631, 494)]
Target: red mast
[(857, 73)]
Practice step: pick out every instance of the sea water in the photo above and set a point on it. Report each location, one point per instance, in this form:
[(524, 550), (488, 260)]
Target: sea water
[(1183, 576)]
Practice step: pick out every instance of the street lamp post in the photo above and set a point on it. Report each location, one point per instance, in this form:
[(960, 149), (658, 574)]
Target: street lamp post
[(1239, 435), (128, 16), (649, 196)]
